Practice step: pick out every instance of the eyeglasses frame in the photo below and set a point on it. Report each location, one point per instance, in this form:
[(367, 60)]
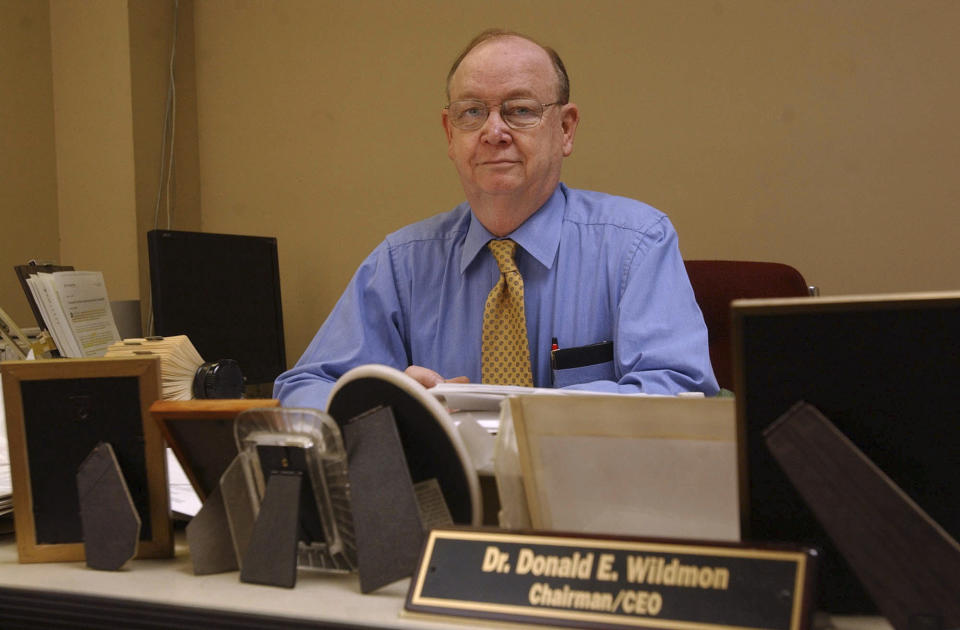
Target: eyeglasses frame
[(543, 110)]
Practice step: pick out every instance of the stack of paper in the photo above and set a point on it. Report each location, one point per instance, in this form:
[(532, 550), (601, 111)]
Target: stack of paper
[(482, 402), (76, 310), (179, 361)]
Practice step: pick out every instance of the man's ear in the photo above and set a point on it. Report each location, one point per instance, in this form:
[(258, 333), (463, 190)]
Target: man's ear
[(569, 119), (448, 131), (445, 121)]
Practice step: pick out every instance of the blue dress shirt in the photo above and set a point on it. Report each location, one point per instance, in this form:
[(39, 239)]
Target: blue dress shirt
[(595, 268)]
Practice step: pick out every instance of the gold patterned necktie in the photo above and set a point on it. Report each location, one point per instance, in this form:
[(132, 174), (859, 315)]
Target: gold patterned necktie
[(505, 350)]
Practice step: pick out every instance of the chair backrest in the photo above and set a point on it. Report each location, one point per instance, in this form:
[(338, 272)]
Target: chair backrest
[(716, 283)]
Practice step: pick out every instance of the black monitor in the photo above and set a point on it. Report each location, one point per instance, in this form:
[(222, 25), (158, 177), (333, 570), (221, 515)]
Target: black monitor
[(884, 370), (223, 292)]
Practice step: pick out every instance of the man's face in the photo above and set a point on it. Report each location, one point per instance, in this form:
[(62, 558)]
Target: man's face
[(496, 160)]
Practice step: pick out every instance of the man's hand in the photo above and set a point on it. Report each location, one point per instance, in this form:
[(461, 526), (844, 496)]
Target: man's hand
[(428, 378)]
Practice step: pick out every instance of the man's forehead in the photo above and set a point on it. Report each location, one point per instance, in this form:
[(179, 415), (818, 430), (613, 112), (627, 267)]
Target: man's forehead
[(509, 63)]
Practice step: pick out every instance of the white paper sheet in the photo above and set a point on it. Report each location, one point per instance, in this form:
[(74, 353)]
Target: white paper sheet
[(183, 498), (83, 295), (6, 482), (481, 397)]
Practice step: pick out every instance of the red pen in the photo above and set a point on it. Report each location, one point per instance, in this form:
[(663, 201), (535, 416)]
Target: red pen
[(554, 346)]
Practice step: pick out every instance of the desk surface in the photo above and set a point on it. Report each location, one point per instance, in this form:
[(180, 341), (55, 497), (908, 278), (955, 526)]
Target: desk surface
[(145, 588), (317, 599)]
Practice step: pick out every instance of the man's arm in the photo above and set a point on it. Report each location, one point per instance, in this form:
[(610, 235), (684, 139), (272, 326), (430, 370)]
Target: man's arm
[(660, 339), (364, 327)]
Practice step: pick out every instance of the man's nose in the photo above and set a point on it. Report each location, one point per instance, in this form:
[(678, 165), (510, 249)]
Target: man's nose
[(495, 129)]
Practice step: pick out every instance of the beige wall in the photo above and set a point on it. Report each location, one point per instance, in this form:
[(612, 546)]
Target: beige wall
[(29, 227), (814, 132), (174, 201), (84, 87), (94, 140)]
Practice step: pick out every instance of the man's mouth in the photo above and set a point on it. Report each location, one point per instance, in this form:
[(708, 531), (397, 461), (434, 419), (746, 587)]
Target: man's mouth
[(499, 162)]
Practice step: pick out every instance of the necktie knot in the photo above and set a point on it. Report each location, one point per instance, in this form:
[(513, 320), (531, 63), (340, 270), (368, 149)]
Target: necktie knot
[(503, 251)]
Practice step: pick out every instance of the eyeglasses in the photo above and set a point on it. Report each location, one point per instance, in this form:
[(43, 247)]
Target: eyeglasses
[(518, 113)]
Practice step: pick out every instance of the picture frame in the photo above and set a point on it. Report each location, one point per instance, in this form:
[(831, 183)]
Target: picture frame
[(652, 466), (200, 434), (57, 411)]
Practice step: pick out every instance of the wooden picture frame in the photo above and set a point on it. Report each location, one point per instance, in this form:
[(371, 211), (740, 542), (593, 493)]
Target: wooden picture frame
[(57, 411), (200, 434)]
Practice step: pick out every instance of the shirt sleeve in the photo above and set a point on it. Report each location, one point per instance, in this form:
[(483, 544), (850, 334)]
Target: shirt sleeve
[(364, 327), (660, 338)]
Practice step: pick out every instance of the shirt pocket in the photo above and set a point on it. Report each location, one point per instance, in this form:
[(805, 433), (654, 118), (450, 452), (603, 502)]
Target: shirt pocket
[(584, 374), (582, 364)]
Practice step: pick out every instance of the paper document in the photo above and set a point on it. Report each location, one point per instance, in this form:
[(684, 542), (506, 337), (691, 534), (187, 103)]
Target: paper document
[(76, 309), (51, 310), (481, 397), (183, 498), (6, 482), (84, 298), (486, 418)]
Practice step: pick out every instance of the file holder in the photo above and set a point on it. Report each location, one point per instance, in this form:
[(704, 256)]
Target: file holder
[(908, 564)]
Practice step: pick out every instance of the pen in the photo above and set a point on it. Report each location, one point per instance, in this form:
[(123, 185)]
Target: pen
[(554, 346)]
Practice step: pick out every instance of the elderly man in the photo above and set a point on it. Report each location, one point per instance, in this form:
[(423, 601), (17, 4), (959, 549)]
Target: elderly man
[(528, 282)]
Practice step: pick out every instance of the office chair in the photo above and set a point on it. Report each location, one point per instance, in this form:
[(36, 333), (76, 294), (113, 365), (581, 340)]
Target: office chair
[(716, 283)]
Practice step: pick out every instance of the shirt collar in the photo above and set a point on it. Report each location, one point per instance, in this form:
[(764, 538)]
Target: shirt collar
[(539, 235)]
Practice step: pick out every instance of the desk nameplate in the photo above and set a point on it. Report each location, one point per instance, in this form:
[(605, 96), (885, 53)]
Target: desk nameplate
[(593, 582)]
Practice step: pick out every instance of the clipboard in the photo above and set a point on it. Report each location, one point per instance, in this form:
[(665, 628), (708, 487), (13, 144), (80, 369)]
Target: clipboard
[(24, 272)]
